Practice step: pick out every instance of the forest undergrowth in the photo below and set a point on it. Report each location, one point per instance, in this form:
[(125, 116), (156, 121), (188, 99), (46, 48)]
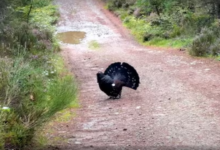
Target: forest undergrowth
[(192, 25), (34, 84)]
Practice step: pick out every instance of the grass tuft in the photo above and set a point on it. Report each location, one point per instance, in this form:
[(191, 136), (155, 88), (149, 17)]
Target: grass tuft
[(94, 44)]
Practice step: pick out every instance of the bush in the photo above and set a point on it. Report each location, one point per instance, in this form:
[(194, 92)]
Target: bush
[(201, 45), (32, 87), (33, 97), (40, 3), (27, 37), (113, 5), (215, 48)]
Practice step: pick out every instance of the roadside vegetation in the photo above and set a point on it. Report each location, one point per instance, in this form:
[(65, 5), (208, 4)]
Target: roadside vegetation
[(34, 84), (189, 24)]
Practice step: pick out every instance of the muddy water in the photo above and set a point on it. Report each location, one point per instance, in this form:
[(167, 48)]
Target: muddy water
[(71, 37)]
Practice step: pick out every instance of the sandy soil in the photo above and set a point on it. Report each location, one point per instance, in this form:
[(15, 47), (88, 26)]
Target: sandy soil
[(175, 107)]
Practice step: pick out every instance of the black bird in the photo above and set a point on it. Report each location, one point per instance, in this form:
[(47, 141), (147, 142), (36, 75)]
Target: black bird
[(115, 77)]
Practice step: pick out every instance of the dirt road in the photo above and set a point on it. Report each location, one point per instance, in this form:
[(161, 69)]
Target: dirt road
[(177, 105)]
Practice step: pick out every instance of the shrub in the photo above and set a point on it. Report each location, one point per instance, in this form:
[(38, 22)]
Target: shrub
[(31, 85), (215, 48), (27, 37), (202, 43), (33, 97), (40, 3)]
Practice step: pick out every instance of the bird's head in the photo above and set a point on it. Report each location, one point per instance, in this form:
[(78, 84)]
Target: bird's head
[(100, 74)]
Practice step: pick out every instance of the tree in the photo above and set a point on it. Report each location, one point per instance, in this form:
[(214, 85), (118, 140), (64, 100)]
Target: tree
[(213, 7)]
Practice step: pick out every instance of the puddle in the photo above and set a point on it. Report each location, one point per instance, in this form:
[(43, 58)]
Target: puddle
[(71, 37)]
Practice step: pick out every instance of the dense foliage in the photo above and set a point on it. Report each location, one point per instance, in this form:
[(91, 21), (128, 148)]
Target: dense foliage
[(33, 84), (177, 23)]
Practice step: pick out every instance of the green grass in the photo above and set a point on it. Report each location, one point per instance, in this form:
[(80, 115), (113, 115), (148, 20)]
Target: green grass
[(175, 43), (41, 141), (68, 114), (218, 58), (94, 45), (45, 16), (139, 28), (63, 88)]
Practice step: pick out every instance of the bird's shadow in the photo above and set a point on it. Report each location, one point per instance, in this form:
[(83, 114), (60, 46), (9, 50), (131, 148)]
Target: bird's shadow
[(112, 99)]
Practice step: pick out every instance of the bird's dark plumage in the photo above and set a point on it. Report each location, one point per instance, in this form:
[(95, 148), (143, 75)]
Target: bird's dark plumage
[(115, 77)]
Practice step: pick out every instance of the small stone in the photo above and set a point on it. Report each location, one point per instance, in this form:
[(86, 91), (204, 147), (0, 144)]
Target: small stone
[(77, 142), (138, 107), (207, 69)]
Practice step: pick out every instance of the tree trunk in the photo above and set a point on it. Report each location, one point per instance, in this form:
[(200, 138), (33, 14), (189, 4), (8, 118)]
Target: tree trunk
[(157, 10), (213, 10), (29, 12), (218, 10)]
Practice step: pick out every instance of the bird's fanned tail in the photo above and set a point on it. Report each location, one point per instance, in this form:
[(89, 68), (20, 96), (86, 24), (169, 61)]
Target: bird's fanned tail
[(125, 73)]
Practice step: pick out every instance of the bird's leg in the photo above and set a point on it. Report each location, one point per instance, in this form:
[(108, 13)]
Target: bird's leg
[(111, 97), (119, 95)]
